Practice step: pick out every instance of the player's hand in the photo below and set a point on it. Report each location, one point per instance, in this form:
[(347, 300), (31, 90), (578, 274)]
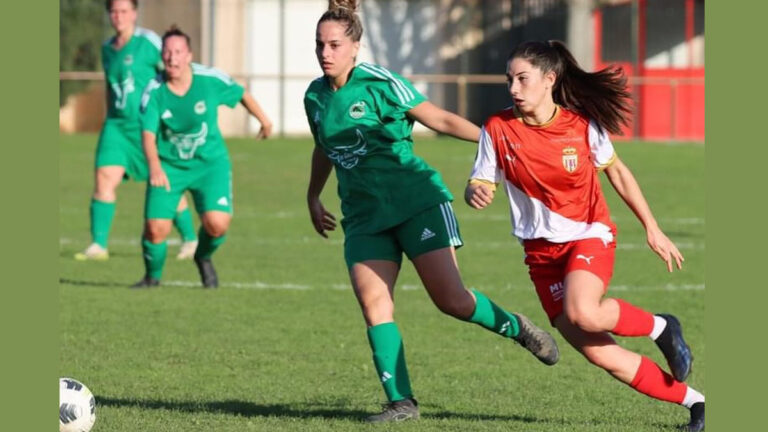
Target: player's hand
[(664, 248), (478, 195), (157, 178), (322, 219), (265, 131)]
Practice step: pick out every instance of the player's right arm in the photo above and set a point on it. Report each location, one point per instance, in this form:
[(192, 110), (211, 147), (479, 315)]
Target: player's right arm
[(322, 219), (482, 183), (157, 176), (150, 123)]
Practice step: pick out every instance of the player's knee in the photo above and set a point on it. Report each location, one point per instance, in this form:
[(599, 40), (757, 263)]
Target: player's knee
[(105, 191), (216, 229), (583, 317), (377, 310), (215, 226), (599, 357), (106, 185), (457, 307), (156, 232)]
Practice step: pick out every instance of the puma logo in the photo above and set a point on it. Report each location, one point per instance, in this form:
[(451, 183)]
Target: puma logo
[(585, 258)]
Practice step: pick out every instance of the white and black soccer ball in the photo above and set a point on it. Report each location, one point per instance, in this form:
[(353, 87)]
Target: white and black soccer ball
[(77, 406)]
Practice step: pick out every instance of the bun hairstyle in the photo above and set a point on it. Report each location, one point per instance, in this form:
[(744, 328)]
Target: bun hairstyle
[(602, 96), (176, 31), (343, 11)]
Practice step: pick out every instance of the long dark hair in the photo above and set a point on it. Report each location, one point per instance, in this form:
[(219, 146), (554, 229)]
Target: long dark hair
[(343, 11), (602, 96)]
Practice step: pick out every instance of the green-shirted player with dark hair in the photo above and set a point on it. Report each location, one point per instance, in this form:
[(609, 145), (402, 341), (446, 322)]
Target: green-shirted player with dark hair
[(130, 59), (361, 117), (186, 152)]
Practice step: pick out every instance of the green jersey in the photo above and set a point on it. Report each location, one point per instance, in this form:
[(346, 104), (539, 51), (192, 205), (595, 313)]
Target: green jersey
[(363, 128), (187, 126), (128, 70)]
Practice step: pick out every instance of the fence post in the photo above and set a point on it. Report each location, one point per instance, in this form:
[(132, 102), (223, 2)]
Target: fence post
[(673, 110), (247, 116), (461, 82)]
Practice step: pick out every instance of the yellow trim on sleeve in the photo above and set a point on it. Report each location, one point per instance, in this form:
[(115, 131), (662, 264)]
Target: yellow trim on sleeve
[(607, 164), (488, 183)]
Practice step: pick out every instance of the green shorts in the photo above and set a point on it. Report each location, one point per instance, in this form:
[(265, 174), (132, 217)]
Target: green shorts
[(120, 144), (432, 229), (210, 185)]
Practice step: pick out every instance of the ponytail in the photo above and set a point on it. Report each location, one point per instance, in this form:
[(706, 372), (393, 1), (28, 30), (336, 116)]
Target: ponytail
[(601, 96)]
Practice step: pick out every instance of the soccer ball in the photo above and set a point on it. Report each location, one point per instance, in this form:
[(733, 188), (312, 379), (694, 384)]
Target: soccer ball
[(77, 406)]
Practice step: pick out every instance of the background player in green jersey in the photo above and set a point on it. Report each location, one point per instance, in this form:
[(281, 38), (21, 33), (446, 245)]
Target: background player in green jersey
[(185, 151), (361, 117), (130, 59)]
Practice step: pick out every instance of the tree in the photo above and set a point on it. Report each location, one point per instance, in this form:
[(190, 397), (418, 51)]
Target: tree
[(83, 26)]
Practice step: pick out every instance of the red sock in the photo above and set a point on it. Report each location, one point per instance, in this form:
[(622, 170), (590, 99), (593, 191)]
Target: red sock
[(633, 321), (651, 380)]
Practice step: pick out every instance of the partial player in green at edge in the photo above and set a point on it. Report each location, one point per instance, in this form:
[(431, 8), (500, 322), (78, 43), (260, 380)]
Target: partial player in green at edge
[(186, 152), (361, 117), (130, 59)]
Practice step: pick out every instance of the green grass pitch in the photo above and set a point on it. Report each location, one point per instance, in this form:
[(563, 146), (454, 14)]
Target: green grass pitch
[(281, 346)]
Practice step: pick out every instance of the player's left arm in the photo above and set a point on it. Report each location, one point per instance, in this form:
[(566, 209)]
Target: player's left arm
[(254, 108), (626, 186), (442, 121)]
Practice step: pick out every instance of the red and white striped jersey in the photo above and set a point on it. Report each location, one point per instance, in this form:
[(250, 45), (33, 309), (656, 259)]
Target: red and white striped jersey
[(550, 173)]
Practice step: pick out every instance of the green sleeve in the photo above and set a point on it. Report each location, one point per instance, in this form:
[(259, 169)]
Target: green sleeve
[(229, 92), (158, 62), (150, 111), (396, 94), (311, 122)]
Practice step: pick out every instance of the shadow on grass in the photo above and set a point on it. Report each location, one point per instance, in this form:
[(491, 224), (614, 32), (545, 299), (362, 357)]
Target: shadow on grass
[(66, 281), (298, 410), (237, 407)]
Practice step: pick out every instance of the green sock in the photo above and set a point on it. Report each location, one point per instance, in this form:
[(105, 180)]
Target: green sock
[(102, 213), (207, 245), (183, 223), (389, 359), (154, 257), (494, 318)]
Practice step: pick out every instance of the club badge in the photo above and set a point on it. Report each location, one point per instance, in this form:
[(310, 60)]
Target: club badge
[(357, 110), (570, 159)]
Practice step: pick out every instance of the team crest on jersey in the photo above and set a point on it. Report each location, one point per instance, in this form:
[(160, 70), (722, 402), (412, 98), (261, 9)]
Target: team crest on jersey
[(187, 144), (200, 107), (128, 60), (357, 110), (349, 156), (570, 159), (122, 90)]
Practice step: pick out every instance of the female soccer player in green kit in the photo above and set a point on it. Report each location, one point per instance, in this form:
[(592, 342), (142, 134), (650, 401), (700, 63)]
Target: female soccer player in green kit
[(361, 117), (130, 59), (185, 151)]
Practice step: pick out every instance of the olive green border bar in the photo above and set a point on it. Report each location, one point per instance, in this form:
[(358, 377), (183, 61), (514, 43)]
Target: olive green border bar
[(737, 161), (28, 309)]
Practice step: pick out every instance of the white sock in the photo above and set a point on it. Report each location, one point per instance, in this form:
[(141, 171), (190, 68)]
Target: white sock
[(692, 397), (659, 324)]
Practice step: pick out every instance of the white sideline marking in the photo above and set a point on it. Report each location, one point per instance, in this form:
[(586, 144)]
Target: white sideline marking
[(511, 243), (258, 285), (474, 216)]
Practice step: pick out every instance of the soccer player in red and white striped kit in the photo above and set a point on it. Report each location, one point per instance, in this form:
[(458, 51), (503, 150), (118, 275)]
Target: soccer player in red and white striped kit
[(548, 149)]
